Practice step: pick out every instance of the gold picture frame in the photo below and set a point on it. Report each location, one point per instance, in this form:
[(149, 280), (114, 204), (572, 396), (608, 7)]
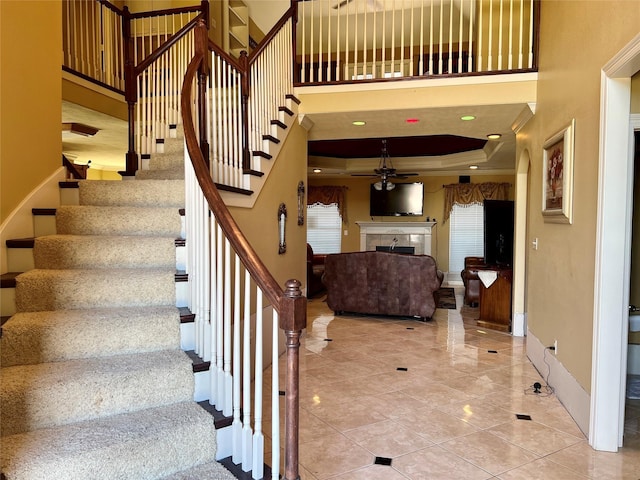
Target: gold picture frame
[(557, 176)]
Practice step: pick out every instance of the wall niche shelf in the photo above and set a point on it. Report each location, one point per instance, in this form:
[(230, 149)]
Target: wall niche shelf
[(236, 35)]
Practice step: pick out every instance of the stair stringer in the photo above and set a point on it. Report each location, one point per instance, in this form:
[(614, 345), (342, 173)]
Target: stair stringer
[(256, 183)]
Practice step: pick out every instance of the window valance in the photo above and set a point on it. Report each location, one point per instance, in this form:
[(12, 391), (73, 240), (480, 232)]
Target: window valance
[(470, 193), (326, 195)]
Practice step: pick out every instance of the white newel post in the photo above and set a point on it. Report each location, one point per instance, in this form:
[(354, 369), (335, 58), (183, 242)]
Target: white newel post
[(401, 234)]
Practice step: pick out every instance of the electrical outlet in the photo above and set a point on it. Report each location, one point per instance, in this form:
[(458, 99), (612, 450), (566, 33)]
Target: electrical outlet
[(555, 347)]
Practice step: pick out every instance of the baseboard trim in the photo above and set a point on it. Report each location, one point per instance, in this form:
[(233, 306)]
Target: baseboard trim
[(573, 397)]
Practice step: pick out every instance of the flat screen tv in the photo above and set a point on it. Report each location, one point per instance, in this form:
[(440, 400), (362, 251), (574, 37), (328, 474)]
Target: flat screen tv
[(406, 199), (498, 232)]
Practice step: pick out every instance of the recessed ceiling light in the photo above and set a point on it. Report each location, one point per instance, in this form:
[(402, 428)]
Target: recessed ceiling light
[(359, 123), (494, 136), (466, 118), (412, 120), (317, 170), (473, 167)]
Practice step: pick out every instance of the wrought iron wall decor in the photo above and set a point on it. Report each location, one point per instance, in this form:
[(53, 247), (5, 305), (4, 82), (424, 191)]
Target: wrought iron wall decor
[(282, 217), (301, 203)]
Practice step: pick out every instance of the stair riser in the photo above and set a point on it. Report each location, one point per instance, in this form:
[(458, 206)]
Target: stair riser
[(8, 301), (20, 259), (69, 196), (82, 390), (59, 290), (44, 225)]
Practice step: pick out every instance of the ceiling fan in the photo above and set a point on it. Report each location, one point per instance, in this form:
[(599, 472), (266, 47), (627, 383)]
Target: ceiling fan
[(385, 171), (373, 4)]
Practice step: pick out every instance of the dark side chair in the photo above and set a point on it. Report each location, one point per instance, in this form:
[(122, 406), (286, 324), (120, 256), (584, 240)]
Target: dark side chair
[(315, 270), (471, 280)]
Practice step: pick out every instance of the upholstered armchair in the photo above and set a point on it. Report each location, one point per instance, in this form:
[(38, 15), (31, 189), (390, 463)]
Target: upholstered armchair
[(315, 270), (471, 280)]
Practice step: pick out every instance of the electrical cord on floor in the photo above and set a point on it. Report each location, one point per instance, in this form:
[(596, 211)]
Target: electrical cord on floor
[(537, 388)]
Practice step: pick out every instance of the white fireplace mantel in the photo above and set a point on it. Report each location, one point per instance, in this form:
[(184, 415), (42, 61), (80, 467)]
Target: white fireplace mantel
[(415, 234)]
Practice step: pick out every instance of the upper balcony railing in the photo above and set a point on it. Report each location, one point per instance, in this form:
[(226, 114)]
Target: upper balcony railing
[(342, 41)]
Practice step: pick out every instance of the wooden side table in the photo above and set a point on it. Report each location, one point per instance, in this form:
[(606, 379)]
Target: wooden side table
[(495, 301)]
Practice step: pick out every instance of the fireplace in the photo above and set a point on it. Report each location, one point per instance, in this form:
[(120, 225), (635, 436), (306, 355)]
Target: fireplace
[(417, 235)]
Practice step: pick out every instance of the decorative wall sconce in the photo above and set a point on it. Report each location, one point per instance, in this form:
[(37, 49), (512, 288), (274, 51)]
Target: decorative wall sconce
[(301, 203), (282, 217)]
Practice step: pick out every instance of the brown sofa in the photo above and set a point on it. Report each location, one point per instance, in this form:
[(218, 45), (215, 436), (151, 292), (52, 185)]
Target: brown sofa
[(382, 283)]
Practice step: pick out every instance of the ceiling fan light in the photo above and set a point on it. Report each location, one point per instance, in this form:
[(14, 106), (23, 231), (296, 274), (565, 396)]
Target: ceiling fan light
[(377, 186), (390, 186)]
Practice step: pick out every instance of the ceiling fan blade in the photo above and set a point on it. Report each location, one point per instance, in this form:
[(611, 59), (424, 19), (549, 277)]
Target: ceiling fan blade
[(363, 175)]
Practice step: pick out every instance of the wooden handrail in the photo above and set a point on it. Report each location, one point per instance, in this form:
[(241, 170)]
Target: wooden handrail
[(162, 49), (75, 173), (241, 245), (272, 33), (290, 303), (111, 7), (167, 11)]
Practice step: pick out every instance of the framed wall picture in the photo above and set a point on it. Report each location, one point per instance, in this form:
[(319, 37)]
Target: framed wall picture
[(557, 176)]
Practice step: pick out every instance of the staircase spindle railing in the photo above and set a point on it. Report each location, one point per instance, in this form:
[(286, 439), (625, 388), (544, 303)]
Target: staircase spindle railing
[(244, 295), (369, 40), (271, 80)]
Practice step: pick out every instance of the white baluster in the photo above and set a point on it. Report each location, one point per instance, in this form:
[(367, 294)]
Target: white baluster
[(258, 437), (275, 402), (247, 432), (219, 377), (227, 379), (471, 22), (236, 426)]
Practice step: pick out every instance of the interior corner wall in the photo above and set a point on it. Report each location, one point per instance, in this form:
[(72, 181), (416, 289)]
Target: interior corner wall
[(30, 98), (574, 46)]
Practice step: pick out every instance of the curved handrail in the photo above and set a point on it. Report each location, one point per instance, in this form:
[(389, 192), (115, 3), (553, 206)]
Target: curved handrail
[(227, 223)]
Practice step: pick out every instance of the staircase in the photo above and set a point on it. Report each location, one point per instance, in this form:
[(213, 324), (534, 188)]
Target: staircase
[(94, 383)]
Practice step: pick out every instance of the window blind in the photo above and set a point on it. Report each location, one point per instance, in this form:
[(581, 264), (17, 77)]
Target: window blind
[(324, 228), (466, 236)]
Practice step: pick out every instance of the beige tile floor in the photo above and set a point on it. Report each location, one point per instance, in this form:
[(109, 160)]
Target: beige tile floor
[(450, 415)]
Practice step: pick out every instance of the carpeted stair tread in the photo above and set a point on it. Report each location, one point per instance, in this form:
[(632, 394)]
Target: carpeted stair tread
[(44, 290), (152, 193), (166, 174), (167, 161), (206, 471), (79, 390), (53, 336), (118, 220), (104, 251), (144, 445)]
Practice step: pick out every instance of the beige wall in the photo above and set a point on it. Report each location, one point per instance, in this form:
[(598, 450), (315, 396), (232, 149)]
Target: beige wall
[(574, 45), (634, 292), (30, 104), (260, 224), (358, 208)]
